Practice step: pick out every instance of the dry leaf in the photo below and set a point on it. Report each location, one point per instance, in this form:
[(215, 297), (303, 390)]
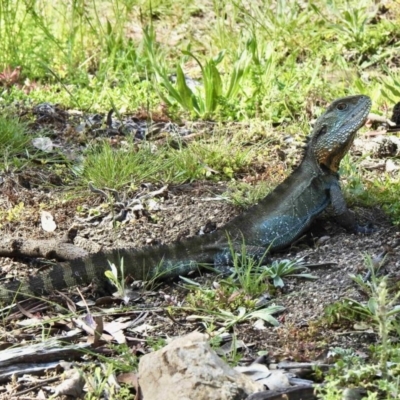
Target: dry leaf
[(272, 379), (129, 378), (43, 143), (48, 223), (72, 386)]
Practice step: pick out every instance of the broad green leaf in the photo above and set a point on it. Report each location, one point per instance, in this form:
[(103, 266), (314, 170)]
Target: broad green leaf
[(219, 57), (392, 89), (385, 94), (372, 305), (188, 99)]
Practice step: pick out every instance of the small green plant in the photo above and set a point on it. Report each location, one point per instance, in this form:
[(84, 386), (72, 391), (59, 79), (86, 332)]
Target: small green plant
[(13, 214), (215, 341), (352, 372), (249, 273), (233, 356), (347, 310), (250, 278), (382, 372), (203, 98), (156, 343), (380, 310), (381, 305), (215, 159), (247, 269), (286, 268), (99, 383), (228, 319), (100, 375), (117, 277), (224, 295)]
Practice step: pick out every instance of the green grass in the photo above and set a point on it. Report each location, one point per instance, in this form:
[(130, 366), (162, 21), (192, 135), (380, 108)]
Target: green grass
[(14, 142), (13, 135), (106, 166), (262, 60), (385, 190), (368, 188), (244, 195), (217, 158)]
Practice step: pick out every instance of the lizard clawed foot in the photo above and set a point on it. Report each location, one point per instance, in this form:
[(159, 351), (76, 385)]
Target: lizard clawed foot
[(365, 229)]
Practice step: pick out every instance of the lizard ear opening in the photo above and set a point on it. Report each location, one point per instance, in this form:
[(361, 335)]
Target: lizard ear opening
[(322, 131)]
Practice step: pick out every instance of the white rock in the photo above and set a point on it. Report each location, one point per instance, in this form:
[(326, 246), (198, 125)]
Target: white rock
[(188, 369)]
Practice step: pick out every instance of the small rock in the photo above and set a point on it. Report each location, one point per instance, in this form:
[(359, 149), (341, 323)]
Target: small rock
[(86, 244), (178, 217), (188, 368), (391, 166)]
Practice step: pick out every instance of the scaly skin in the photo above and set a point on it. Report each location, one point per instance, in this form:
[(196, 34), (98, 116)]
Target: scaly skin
[(275, 222)]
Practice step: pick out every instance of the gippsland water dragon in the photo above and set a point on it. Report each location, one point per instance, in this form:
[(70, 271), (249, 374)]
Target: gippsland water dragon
[(275, 222)]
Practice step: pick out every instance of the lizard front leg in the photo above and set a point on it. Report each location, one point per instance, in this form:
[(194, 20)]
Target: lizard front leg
[(343, 215)]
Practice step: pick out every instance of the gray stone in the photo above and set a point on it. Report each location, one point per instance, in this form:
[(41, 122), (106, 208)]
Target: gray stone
[(188, 369)]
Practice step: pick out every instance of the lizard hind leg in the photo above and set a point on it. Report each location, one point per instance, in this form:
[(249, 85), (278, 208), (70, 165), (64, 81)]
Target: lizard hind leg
[(240, 256)]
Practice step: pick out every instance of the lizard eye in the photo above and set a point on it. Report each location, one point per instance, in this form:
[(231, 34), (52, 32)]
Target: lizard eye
[(341, 106)]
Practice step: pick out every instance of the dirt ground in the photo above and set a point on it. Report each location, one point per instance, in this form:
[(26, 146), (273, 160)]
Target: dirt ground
[(184, 211)]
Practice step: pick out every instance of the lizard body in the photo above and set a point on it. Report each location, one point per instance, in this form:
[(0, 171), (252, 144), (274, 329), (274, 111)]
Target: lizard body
[(275, 222)]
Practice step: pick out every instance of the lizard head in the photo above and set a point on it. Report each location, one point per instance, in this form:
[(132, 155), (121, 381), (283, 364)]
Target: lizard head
[(335, 130)]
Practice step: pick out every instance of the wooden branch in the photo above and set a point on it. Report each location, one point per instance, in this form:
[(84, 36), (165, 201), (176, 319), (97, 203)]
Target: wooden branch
[(49, 249), (291, 393), (23, 369), (21, 360)]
